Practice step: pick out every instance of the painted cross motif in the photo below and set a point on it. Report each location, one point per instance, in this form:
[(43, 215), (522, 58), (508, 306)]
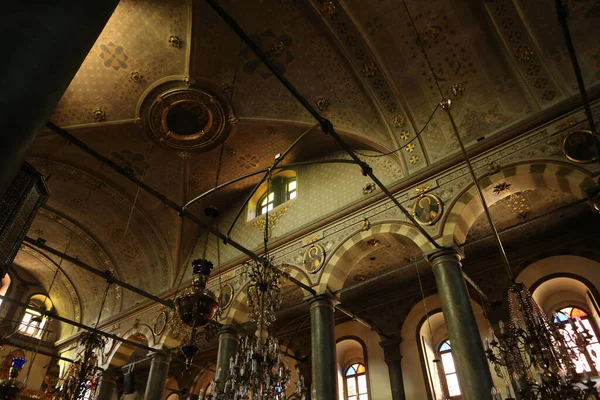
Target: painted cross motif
[(114, 56)]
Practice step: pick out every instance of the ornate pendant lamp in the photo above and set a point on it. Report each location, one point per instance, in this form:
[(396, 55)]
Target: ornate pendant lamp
[(11, 387)]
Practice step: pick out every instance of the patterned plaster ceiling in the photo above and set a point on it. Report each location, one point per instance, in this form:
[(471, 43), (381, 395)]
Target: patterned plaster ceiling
[(499, 61)]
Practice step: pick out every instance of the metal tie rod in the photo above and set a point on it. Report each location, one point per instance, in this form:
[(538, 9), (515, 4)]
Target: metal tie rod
[(326, 125)]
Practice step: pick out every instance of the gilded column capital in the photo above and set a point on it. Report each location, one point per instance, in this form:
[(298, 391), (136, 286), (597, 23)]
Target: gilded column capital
[(325, 299)]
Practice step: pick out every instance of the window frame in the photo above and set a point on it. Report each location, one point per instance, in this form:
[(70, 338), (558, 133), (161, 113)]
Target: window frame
[(442, 370), (38, 328), (281, 194), (355, 376), (593, 372)]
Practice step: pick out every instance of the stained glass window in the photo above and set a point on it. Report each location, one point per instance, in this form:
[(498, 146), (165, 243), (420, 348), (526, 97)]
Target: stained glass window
[(449, 370), (573, 317), (356, 382)]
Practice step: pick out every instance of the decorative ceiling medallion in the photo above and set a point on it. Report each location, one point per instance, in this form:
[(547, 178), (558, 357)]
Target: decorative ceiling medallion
[(135, 77), (414, 159), (524, 54), (458, 89), (322, 103), (225, 296), (579, 147), (188, 119), (99, 114), (405, 135), (398, 121), (428, 209), (369, 70), (501, 187), (314, 258), (174, 41), (369, 188)]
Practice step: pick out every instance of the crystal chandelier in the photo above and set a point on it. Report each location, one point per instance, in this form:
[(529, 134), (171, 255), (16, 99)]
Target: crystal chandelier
[(259, 371), (533, 354)]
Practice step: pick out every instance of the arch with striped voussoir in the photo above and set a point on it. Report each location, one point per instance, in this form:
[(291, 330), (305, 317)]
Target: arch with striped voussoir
[(339, 265), (463, 212), (122, 352), (238, 310)]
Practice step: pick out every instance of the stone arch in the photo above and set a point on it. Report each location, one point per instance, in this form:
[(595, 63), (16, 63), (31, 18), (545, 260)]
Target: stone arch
[(123, 351), (335, 271), (548, 175), (238, 310)]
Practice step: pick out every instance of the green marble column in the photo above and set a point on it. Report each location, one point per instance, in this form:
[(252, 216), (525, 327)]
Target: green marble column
[(157, 378), (107, 385), (323, 357), (228, 345), (471, 364), (48, 41), (393, 359)]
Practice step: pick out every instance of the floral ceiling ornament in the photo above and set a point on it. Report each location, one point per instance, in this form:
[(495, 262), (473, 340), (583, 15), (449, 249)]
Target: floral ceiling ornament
[(114, 56), (423, 189), (99, 114), (524, 54), (410, 147), (414, 159), (135, 77), (365, 225), (405, 135), (247, 161), (174, 41), (398, 121), (322, 103), (278, 47), (369, 188), (501, 187), (458, 89), (329, 9), (369, 70)]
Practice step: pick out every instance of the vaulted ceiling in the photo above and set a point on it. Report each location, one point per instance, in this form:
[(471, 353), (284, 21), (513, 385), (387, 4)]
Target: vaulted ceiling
[(501, 62)]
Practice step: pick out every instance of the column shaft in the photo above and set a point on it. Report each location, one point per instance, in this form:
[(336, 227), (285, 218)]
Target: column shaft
[(323, 356), (157, 378), (49, 41), (228, 345), (393, 359), (471, 364), (106, 386)]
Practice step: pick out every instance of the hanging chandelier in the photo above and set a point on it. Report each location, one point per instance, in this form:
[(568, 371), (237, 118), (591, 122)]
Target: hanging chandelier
[(259, 371), (532, 353)]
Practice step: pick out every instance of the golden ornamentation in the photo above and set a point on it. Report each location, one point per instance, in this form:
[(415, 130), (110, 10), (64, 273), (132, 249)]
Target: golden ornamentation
[(322, 103), (369, 70), (410, 147), (423, 189), (99, 115), (414, 159), (189, 80), (398, 121), (278, 47), (312, 239), (174, 41), (524, 54), (366, 224), (493, 167), (135, 77), (458, 89), (232, 119), (274, 216), (405, 135), (369, 188), (501, 187), (184, 155), (518, 205), (428, 209), (373, 242), (328, 9), (314, 258)]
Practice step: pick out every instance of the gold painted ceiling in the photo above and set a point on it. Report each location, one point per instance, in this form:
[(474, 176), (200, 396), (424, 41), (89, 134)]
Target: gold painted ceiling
[(501, 62)]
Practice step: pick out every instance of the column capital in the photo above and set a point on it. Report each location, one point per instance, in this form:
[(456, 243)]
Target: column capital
[(160, 357), (324, 299), (229, 331), (443, 254), (391, 349)]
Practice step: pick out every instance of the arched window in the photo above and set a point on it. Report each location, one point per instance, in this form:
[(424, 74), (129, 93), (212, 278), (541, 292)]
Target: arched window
[(4, 284), (355, 379), (281, 190), (570, 318), (33, 322), (448, 370)]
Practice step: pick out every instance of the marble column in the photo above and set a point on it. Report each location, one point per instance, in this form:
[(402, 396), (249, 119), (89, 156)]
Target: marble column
[(228, 345), (107, 385), (467, 350), (157, 377), (323, 356), (48, 43), (393, 359)]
